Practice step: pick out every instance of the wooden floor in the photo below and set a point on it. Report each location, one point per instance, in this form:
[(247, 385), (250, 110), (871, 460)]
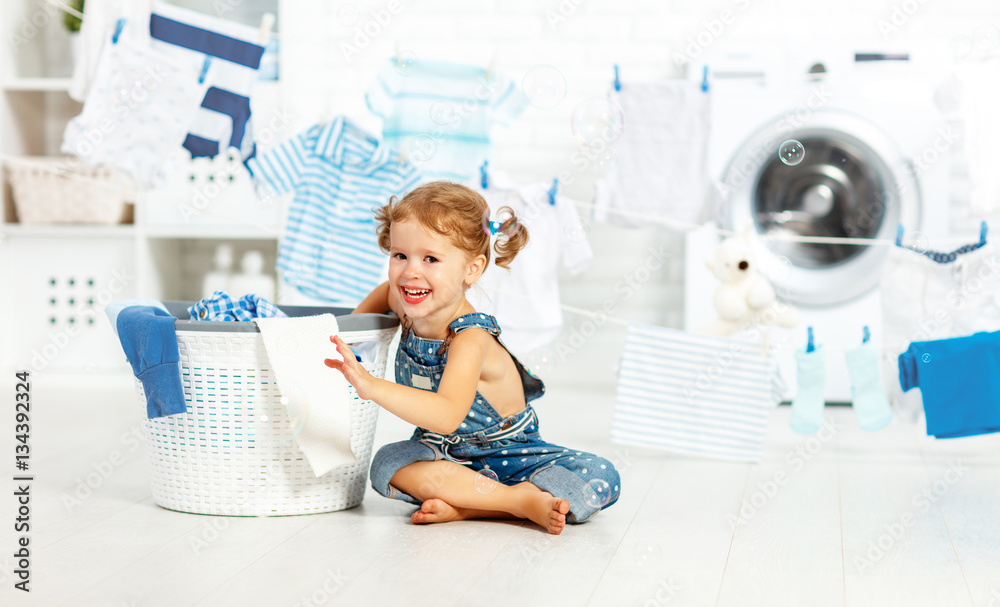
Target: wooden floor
[(881, 519)]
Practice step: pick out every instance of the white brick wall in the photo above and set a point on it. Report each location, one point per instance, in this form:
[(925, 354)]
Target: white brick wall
[(583, 39)]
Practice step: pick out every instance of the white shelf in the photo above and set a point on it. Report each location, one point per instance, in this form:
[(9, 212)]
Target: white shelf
[(209, 233), (67, 230), (37, 84)]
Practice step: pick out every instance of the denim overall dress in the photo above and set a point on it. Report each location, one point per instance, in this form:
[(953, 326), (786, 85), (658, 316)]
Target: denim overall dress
[(509, 446)]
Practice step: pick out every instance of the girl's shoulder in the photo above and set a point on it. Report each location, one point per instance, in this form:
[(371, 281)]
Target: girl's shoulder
[(476, 320)]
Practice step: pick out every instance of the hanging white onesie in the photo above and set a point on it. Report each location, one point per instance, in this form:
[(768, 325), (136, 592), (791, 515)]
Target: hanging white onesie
[(137, 113), (661, 157), (525, 299)]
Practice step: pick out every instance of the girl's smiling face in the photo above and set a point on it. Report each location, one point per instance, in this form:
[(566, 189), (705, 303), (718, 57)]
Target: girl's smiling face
[(428, 272)]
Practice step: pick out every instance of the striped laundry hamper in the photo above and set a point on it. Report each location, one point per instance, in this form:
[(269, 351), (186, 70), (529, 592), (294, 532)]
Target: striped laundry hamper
[(233, 452), (694, 394)]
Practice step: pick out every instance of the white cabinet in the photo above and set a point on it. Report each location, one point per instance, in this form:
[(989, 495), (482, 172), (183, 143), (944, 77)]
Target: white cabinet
[(55, 280)]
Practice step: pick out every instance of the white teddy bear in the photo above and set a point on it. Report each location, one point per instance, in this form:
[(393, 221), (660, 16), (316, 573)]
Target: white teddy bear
[(745, 298)]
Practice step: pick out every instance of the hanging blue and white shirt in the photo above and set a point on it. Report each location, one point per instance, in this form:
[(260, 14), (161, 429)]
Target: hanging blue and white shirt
[(440, 114), (339, 174), (694, 394), (227, 55)]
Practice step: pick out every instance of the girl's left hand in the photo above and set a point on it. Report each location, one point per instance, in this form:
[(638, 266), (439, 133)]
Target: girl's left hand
[(351, 368)]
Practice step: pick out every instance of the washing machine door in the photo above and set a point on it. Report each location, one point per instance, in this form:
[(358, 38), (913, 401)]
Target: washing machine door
[(852, 181)]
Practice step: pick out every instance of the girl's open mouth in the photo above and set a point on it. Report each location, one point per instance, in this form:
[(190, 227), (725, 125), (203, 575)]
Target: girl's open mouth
[(414, 296)]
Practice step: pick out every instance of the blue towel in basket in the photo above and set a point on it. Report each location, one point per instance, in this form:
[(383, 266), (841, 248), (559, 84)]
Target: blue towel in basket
[(150, 342)]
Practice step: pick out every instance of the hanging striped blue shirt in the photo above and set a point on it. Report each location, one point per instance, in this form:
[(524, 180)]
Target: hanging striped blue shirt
[(340, 174)]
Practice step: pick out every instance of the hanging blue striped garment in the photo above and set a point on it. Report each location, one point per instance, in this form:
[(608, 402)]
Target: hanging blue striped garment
[(694, 394), (339, 173), (228, 55)]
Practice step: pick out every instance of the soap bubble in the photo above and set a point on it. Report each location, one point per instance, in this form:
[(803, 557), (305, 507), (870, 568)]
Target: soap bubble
[(443, 113), (647, 554), (916, 241), (349, 15), (778, 269), (604, 160), (544, 86), (597, 122), (405, 63), (597, 493), (960, 46), (987, 37), (577, 231), (791, 152), (539, 361), (485, 481), (422, 148)]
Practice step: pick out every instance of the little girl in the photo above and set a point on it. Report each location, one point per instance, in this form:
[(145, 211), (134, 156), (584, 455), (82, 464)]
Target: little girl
[(455, 380)]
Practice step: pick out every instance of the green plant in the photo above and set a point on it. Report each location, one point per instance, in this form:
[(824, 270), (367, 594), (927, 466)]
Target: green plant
[(72, 22)]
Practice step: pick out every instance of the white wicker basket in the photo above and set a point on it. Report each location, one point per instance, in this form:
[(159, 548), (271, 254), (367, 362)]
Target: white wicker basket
[(61, 190), (233, 451)]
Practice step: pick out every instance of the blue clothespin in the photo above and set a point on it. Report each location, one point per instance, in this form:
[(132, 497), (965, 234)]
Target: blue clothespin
[(704, 79), (982, 233), (553, 191), (482, 174), (811, 344), (204, 69), (866, 335), (618, 82), (899, 235), (119, 26)]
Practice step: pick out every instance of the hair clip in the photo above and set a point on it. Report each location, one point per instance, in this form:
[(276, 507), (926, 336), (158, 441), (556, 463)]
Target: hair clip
[(495, 227)]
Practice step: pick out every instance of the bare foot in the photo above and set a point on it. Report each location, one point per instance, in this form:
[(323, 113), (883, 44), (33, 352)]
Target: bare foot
[(435, 510), (547, 511)]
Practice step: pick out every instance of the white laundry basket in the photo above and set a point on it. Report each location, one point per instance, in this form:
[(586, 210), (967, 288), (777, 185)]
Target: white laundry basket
[(233, 451)]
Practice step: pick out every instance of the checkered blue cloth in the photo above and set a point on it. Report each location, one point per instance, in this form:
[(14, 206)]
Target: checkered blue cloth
[(220, 306)]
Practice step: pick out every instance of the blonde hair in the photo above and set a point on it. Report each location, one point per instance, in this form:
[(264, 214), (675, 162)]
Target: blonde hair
[(455, 211)]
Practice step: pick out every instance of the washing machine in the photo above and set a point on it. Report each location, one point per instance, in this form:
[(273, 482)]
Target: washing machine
[(829, 144)]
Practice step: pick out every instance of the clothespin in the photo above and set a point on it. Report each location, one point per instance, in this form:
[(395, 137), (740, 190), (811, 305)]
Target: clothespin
[(704, 79), (483, 176), (899, 235), (866, 335), (266, 23), (119, 26), (489, 67), (618, 82), (982, 233), (811, 343), (553, 191), (204, 69)]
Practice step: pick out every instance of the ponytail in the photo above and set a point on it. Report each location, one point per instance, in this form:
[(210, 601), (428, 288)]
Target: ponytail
[(512, 237)]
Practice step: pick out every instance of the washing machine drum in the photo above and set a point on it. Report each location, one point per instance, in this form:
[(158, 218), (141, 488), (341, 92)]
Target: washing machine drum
[(849, 180)]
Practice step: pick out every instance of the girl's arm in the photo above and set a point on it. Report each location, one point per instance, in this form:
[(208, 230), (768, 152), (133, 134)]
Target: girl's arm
[(440, 411), (377, 301)]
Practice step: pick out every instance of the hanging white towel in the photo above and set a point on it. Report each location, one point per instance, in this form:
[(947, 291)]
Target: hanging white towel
[(694, 394), (660, 170), (980, 96), (318, 396)]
